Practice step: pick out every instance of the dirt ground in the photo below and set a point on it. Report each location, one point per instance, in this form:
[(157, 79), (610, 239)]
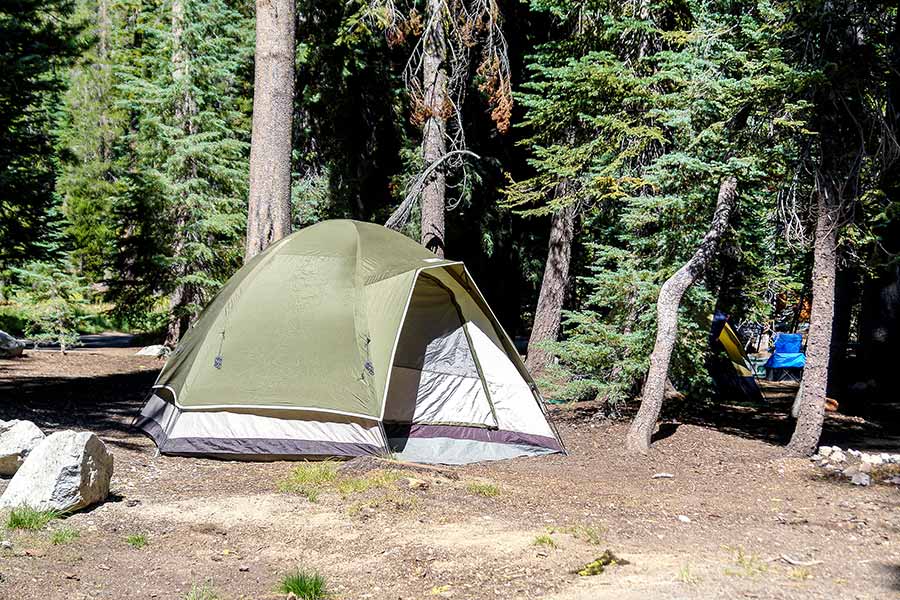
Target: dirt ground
[(725, 526)]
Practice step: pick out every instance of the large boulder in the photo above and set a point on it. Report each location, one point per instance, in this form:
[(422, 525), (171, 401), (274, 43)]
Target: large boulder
[(67, 471), (10, 347), (17, 439)]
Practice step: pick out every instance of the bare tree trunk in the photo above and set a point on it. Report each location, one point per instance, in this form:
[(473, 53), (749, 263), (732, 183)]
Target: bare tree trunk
[(811, 413), (269, 211), (553, 289), (434, 142), (670, 294), (185, 110)]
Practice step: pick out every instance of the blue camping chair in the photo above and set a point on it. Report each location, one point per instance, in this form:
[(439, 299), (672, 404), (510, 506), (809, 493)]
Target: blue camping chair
[(787, 355)]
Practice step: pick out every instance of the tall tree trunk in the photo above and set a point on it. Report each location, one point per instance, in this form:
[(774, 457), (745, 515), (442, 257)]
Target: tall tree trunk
[(553, 289), (811, 414), (269, 211), (434, 142), (670, 294), (185, 110)]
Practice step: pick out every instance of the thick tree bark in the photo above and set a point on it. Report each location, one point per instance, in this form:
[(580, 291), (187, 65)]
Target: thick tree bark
[(269, 211), (434, 129), (653, 394), (185, 110), (553, 289), (811, 414)]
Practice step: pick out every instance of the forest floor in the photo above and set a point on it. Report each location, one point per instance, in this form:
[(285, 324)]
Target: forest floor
[(725, 525)]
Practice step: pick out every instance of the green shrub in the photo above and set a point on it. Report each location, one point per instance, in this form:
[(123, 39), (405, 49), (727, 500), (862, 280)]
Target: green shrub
[(305, 585), (137, 540)]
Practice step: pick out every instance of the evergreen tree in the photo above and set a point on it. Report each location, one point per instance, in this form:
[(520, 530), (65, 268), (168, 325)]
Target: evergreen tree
[(36, 42), (651, 105)]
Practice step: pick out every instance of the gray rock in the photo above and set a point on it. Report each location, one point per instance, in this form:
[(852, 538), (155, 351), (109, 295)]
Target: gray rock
[(825, 451), (855, 453), (6, 545), (67, 471), (865, 467), (10, 347), (872, 459), (17, 439), (837, 456), (154, 350), (861, 479)]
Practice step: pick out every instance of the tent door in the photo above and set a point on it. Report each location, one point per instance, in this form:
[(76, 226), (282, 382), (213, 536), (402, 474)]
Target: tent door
[(436, 378)]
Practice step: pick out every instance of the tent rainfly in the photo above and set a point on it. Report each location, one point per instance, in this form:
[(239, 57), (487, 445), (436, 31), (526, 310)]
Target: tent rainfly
[(348, 339)]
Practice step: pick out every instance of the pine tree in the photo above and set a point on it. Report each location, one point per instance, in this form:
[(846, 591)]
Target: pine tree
[(36, 43), (190, 141)]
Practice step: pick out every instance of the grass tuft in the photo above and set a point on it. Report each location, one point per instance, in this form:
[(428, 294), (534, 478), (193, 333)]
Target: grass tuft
[(202, 592), (480, 488), (307, 478), (544, 540), (137, 540), (25, 517), (303, 584), (585, 533), (375, 479), (686, 577), (749, 565), (64, 535)]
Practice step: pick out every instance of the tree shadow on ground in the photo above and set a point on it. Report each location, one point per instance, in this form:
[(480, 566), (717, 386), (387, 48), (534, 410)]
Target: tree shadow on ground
[(769, 420), (105, 404)]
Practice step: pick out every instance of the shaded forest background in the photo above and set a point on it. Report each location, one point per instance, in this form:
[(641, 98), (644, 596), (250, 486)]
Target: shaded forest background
[(126, 138)]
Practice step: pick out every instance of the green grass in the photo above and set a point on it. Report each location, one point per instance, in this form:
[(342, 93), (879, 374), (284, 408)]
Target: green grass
[(308, 478), (686, 577), (749, 565), (64, 535), (137, 540), (373, 480), (24, 517), (585, 533), (202, 592), (544, 540), (303, 584), (480, 488)]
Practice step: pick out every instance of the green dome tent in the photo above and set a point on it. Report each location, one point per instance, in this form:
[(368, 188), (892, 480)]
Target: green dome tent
[(348, 339)]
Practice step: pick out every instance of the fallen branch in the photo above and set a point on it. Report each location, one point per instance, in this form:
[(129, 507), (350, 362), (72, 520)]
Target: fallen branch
[(400, 216), (799, 563)]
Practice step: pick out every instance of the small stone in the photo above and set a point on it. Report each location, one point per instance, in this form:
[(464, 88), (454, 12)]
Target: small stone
[(684, 518), (243, 568), (825, 451), (872, 459), (893, 480), (865, 467), (854, 453), (6, 545), (837, 456), (416, 484), (861, 479), (850, 471), (663, 476), (816, 457)]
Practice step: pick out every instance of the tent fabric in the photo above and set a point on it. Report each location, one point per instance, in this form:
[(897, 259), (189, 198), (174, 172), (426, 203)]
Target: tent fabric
[(333, 335), (740, 378)]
